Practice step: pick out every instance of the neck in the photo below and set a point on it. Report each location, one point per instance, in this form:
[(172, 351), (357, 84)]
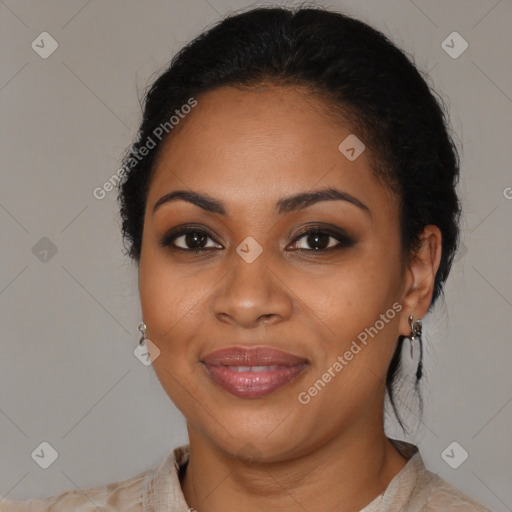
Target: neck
[(347, 473)]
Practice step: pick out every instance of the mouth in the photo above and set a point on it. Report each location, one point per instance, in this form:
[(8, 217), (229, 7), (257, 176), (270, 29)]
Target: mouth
[(253, 372)]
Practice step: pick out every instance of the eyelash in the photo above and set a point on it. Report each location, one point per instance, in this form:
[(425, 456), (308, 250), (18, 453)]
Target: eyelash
[(344, 241)]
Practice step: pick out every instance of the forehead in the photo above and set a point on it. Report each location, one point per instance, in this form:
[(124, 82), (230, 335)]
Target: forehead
[(257, 145)]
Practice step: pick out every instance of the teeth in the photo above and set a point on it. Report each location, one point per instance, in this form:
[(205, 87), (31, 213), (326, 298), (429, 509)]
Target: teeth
[(264, 368), (253, 368), (240, 368)]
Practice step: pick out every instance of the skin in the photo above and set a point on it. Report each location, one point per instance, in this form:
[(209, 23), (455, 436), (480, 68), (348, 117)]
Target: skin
[(248, 149)]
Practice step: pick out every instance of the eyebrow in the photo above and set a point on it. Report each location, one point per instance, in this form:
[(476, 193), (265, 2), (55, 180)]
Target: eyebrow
[(284, 205)]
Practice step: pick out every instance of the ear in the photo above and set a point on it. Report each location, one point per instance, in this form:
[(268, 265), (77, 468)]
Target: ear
[(420, 278)]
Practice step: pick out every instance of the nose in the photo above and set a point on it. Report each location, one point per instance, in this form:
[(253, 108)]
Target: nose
[(252, 294)]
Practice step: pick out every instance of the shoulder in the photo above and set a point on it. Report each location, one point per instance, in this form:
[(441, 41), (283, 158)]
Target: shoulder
[(150, 490), (417, 489), (436, 494), (128, 494)]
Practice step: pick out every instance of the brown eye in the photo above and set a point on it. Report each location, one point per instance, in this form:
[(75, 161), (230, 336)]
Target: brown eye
[(189, 239), (322, 240)]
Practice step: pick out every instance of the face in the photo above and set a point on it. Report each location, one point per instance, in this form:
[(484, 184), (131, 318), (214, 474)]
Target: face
[(248, 275)]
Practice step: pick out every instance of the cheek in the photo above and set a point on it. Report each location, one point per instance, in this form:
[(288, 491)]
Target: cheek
[(357, 306), (170, 306), (171, 311), (348, 297)]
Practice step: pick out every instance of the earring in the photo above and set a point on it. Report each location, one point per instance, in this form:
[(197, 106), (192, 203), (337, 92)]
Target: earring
[(416, 333), (142, 329)]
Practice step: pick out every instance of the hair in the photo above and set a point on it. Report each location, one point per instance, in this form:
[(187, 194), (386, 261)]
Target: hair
[(358, 74)]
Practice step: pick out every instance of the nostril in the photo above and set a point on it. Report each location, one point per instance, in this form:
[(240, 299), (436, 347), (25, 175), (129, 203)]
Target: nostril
[(267, 318)]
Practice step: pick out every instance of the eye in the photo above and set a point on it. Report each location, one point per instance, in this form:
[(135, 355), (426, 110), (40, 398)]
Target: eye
[(188, 239), (195, 240), (322, 240)]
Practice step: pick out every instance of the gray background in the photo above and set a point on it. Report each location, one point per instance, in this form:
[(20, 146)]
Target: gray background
[(68, 375)]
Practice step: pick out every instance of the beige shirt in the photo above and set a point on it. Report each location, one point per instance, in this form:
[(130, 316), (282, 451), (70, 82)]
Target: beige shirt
[(413, 489)]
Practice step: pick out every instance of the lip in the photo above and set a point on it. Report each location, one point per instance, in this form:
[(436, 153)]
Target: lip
[(252, 356), (223, 367)]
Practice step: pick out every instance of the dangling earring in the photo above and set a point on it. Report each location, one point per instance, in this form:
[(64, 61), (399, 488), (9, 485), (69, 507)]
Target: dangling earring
[(416, 333), (142, 329)]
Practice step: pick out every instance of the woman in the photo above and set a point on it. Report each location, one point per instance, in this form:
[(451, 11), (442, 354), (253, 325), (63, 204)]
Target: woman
[(290, 202)]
